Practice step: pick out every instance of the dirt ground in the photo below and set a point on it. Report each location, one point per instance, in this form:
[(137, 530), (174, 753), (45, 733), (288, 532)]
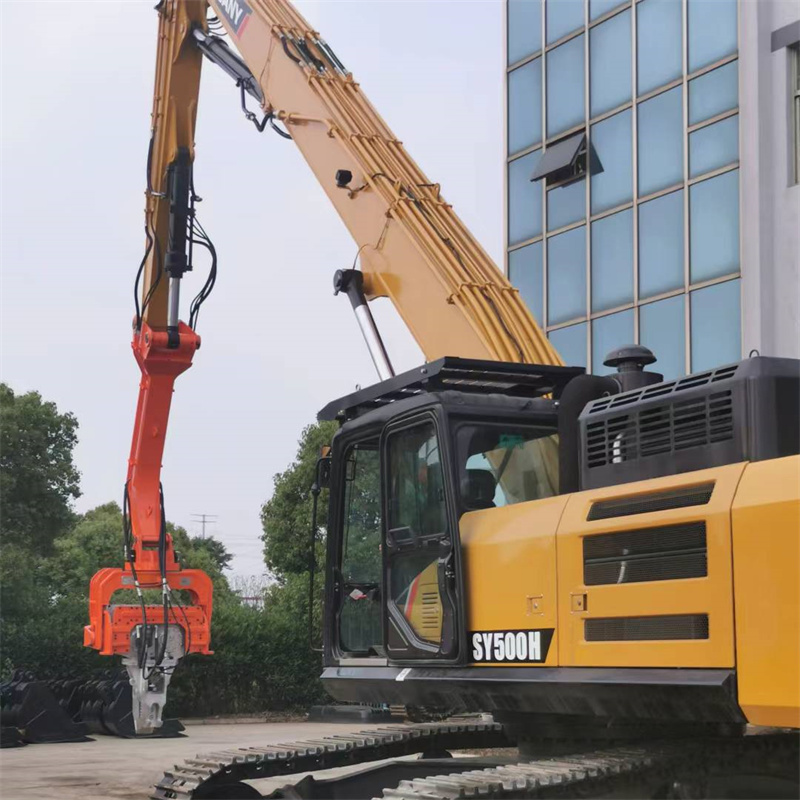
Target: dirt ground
[(127, 768)]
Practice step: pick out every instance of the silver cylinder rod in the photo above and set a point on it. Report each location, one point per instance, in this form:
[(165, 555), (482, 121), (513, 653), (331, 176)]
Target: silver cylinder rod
[(380, 358), (173, 303), (351, 282)]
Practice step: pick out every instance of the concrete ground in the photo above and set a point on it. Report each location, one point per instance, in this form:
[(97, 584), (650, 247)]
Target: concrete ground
[(127, 768)]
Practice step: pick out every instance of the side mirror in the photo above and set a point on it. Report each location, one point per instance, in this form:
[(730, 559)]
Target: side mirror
[(322, 479)]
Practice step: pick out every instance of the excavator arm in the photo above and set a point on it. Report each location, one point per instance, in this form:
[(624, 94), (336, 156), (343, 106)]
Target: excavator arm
[(152, 638), (412, 249)]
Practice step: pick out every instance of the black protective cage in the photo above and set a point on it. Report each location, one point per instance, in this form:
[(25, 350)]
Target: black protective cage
[(471, 375)]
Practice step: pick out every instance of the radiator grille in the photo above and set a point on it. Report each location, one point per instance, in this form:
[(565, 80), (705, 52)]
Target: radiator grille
[(683, 497), (673, 426), (669, 552), (640, 629)]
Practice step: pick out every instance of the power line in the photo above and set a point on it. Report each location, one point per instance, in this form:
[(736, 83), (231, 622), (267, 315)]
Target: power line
[(204, 519)]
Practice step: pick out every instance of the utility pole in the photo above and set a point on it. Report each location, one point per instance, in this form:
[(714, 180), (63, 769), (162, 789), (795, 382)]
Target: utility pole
[(211, 519)]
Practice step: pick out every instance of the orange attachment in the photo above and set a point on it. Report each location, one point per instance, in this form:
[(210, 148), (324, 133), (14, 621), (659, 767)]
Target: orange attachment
[(110, 626)]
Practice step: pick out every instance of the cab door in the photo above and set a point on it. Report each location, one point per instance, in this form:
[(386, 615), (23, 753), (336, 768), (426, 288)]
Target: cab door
[(420, 545), (355, 562)]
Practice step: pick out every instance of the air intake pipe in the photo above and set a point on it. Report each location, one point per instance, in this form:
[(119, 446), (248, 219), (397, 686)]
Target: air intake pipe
[(576, 395), (630, 362)]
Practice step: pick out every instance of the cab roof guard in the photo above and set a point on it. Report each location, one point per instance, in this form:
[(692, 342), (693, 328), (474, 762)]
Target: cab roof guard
[(471, 375)]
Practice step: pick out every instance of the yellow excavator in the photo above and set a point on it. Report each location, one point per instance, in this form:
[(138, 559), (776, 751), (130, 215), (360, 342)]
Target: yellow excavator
[(609, 565)]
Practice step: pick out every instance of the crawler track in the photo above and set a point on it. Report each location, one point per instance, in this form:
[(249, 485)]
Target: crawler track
[(199, 777), (645, 768), (688, 769)]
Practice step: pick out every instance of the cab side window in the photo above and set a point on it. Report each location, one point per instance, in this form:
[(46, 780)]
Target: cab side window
[(505, 464), (360, 616), (417, 483)]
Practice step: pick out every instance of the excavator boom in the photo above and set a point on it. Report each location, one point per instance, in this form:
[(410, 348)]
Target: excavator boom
[(412, 249), (412, 246)]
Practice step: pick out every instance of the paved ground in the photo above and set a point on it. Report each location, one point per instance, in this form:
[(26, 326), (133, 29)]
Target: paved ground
[(126, 768)]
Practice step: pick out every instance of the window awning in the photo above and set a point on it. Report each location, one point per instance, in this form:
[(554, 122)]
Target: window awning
[(562, 160)]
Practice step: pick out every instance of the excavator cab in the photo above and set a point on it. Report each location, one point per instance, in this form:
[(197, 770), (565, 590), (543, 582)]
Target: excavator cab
[(413, 454), (560, 548)]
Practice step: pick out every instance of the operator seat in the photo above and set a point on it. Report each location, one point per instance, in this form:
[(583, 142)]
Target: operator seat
[(477, 489)]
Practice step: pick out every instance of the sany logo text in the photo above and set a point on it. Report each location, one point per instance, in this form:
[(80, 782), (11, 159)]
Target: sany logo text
[(237, 12)]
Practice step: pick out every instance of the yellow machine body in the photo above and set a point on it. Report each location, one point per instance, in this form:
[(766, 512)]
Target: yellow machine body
[(524, 569), (766, 579)]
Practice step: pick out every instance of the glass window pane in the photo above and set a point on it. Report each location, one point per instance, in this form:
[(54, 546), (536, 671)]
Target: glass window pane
[(566, 204), (525, 272), (714, 227), (524, 28), (361, 554), (611, 140), (714, 146), (610, 63), (661, 141), (417, 481), (662, 328), (503, 464), (716, 325), (565, 86), (563, 17), (599, 7), (714, 92), (661, 244), (712, 31), (570, 343), (609, 333), (525, 106), (566, 276), (612, 261), (660, 35), (524, 200)]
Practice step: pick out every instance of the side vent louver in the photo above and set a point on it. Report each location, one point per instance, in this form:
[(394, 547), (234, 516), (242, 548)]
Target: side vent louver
[(661, 429), (683, 497), (640, 629), (668, 552)]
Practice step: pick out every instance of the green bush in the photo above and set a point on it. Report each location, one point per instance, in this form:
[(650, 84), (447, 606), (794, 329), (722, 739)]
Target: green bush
[(262, 660)]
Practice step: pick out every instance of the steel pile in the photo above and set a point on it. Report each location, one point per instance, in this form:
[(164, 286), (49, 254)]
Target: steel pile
[(68, 709)]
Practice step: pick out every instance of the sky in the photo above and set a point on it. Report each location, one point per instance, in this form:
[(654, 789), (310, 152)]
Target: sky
[(76, 93)]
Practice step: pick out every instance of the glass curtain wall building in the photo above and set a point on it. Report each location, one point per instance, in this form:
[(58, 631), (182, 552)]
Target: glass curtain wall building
[(645, 246)]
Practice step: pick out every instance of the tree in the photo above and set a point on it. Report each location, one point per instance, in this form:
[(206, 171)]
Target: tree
[(94, 541), (286, 516), (38, 479), (215, 548)]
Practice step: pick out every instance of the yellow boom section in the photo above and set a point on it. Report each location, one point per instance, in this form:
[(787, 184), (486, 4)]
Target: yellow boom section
[(413, 247), (175, 92)]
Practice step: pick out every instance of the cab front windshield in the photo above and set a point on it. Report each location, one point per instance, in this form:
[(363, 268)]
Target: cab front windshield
[(504, 464)]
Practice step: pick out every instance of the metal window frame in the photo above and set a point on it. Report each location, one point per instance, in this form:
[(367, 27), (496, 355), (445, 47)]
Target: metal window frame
[(637, 200), (794, 110)]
